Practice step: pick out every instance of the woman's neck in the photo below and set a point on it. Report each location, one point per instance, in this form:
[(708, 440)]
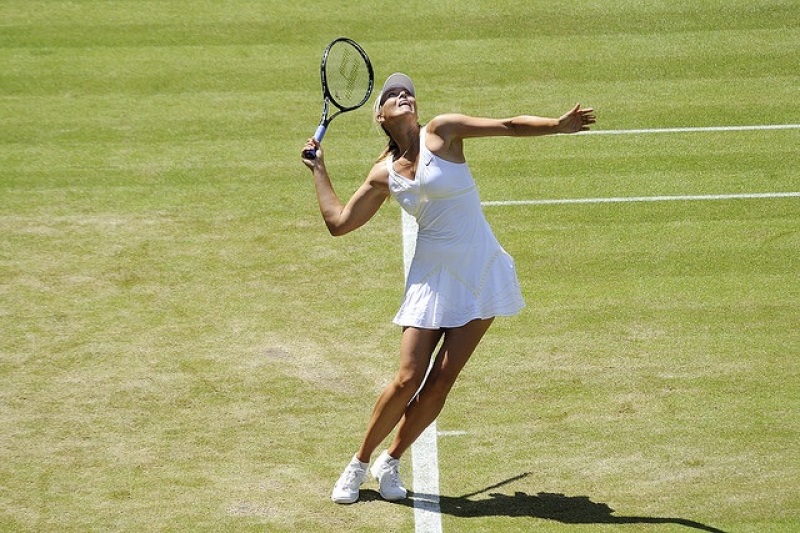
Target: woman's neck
[(407, 141)]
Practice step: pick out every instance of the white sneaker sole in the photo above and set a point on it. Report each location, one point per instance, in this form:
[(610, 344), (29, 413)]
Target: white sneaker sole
[(344, 501)]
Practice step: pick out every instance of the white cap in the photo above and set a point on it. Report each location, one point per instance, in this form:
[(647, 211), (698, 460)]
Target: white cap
[(398, 79)]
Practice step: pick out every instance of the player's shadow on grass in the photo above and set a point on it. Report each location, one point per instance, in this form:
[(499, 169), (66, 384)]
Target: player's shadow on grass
[(544, 505)]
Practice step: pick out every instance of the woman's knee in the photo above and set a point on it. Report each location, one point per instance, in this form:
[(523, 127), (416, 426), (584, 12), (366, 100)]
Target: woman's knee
[(409, 380)]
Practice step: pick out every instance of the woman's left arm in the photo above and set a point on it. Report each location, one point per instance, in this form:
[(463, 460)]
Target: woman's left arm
[(450, 129)]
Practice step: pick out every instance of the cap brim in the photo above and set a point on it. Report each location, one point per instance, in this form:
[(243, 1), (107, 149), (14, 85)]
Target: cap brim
[(398, 79)]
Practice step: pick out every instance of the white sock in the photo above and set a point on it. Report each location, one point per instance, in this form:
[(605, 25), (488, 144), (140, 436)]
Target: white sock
[(355, 460), (387, 457)]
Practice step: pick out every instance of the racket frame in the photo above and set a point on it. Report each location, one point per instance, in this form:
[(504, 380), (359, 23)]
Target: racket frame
[(328, 98)]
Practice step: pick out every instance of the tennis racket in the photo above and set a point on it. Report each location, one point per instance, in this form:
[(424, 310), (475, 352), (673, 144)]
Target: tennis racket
[(347, 80)]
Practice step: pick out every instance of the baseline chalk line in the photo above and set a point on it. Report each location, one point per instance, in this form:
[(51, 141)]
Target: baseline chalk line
[(425, 450), (692, 129), (630, 199)]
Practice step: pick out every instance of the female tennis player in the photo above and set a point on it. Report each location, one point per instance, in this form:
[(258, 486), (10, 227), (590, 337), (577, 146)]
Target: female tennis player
[(460, 278)]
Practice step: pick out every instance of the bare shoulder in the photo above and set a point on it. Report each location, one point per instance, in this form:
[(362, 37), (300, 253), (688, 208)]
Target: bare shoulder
[(453, 126), (441, 123), (378, 176)]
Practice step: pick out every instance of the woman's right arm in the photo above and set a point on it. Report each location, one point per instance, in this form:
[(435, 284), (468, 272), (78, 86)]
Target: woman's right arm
[(362, 206)]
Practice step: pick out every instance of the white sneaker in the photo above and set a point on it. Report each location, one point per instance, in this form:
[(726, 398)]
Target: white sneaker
[(385, 471), (346, 489)]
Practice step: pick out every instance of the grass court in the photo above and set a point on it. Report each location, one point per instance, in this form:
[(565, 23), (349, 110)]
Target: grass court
[(184, 348)]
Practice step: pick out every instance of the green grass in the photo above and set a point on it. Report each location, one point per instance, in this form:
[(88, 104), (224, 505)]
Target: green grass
[(184, 348)]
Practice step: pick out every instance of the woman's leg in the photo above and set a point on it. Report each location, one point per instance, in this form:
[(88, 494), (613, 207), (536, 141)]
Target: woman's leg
[(416, 348), (458, 346)]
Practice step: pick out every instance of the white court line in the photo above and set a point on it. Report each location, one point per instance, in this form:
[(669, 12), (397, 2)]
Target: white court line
[(695, 129), (452, 433), (626, 199), (424, 451), (425, 459)]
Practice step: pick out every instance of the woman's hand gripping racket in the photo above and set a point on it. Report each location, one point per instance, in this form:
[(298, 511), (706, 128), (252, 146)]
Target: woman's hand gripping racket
[(347, 80)]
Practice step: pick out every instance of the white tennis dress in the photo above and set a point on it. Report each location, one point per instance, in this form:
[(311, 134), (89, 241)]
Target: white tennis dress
[(459, 271)]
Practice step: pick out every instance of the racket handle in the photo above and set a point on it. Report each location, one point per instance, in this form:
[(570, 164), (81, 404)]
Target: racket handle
[(318, 135)]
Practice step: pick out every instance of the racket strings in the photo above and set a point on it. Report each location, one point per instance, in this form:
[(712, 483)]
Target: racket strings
[(347, 76)]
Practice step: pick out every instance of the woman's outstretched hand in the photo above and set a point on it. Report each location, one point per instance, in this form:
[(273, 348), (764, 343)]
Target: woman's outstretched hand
[(576, 119)]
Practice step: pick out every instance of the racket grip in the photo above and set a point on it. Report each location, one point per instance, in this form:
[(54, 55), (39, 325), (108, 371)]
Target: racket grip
[(318, 135)]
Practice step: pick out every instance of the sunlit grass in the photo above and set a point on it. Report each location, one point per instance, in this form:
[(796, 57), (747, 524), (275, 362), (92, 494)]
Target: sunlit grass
[(185, 348)]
